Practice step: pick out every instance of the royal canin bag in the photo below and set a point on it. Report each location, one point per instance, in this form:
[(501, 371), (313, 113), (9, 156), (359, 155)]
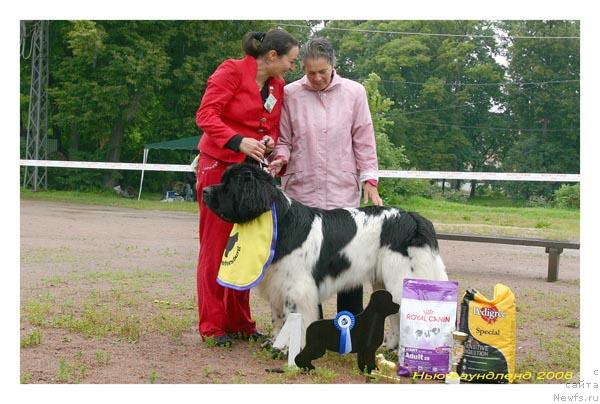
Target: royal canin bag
[(427, 320)]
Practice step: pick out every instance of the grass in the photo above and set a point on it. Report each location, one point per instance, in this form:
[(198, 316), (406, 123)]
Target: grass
[(239, 377), (37, 310), (545, 223), (148, 201), (25, 377), (32, 339), (489, 216), (152, 377), (319, 375), (169, 324), (101, 322), (72, 372), (112, 312), (78, 368), (214, 376), (117, 277), (120, 304), (102, 358), (44, 255), (559, 340)]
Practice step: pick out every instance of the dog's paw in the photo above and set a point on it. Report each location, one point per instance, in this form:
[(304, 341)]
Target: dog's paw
[(386, 354), (277, 353), (391, 346), (267, 344)]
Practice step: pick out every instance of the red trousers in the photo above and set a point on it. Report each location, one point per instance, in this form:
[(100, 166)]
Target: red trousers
[(220, 310)]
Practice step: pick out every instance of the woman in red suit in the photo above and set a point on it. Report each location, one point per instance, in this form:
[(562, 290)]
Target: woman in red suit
[(239, 115)]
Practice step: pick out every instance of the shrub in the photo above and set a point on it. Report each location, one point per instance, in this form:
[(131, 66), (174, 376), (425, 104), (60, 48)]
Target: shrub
[(537, 201), (391, 189), (455, 195), (567, 196)]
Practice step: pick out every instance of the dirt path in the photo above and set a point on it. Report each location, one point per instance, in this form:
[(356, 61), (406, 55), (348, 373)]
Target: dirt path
[(130, 274)]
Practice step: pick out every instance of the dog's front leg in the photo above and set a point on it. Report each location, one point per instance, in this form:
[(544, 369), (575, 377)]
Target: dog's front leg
[(309, 313), (277, 318)]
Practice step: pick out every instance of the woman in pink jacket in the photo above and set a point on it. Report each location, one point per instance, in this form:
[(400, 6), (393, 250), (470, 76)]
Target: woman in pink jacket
[(326, 151)]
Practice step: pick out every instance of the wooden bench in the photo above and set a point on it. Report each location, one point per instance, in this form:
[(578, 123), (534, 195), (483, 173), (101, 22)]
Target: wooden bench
[(553, 248)]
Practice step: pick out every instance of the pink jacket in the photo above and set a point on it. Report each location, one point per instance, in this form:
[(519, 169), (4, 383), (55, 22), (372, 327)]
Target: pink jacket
[(327, 138)]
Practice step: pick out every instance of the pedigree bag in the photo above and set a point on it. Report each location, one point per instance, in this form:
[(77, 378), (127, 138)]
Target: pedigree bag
[(491, 325)]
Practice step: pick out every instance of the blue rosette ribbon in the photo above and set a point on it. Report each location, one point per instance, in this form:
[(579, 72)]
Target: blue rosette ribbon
[(344, 321)]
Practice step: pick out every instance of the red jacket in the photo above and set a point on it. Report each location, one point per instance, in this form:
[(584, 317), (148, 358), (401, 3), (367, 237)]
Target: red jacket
[(232, 104)]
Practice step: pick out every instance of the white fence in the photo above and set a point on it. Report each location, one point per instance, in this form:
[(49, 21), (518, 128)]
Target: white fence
[(442, 175)]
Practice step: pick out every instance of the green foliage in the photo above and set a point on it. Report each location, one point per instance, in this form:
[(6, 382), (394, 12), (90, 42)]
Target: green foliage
[(537, 201), (393, 191), (86, 40), (454, 195), (551, 110), (389, 155), (441, 102), (117, 85), (567, 196), (436, 115)]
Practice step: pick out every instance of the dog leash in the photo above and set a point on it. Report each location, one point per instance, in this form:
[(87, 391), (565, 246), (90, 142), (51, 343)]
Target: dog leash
[(263, 163)]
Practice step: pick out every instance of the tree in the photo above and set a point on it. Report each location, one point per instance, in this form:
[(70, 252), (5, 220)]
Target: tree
[(445, 102), (117, 85), (104, 87), (389, 156), (440, 113), (545, 117)]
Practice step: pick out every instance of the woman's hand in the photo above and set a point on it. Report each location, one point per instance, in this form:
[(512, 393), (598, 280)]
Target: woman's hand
[(276, 166), (269, 142), (253, 148), (370, 192)]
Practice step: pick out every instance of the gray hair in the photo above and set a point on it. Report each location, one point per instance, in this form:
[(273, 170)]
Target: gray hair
[(317, 48)]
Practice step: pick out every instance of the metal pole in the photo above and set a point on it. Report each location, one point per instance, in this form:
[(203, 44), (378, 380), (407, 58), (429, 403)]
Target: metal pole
[(37, 124), (142, 179)]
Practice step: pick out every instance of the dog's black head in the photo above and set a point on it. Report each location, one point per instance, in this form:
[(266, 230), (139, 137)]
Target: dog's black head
[(381, 301), (245, 192)]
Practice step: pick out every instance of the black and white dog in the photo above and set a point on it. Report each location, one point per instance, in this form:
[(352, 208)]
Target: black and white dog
[(321, 252)]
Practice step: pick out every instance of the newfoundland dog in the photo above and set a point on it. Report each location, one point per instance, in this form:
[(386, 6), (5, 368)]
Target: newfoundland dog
[(321, 252)]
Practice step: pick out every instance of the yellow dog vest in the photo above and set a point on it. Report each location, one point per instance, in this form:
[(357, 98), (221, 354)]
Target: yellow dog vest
[(249, 252)]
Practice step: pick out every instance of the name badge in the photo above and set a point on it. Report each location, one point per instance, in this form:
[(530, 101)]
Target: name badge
[(270, 102)]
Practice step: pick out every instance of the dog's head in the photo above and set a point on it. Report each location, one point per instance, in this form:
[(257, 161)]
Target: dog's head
[(381, 301), (245, 192)]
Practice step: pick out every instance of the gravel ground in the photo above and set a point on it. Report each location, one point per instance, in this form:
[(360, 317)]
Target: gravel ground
[(137, 267)]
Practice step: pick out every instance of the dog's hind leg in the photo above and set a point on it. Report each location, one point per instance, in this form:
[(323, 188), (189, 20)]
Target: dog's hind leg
[(394, 268), (377, 285), (427, 264)]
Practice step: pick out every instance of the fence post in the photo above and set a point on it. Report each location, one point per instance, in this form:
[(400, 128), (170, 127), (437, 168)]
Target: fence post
[(290, 336), (553, 261)]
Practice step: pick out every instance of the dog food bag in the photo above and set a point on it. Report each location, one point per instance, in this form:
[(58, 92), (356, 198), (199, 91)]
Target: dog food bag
[(427, 319), (491, 326)]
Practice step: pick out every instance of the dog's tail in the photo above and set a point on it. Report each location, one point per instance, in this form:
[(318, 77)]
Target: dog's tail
[(427, 261), (424, 234)]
